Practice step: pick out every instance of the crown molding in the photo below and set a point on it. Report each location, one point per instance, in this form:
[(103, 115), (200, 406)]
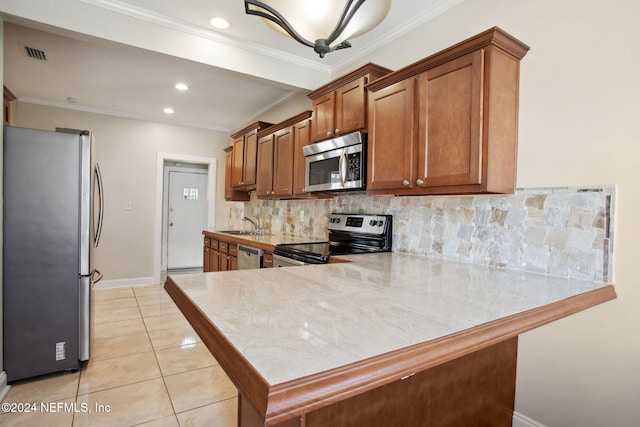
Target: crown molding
[(199, 31), (115, 113), (389, 37)]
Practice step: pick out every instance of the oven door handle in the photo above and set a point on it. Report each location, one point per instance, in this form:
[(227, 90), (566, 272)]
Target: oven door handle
[(342, 166)]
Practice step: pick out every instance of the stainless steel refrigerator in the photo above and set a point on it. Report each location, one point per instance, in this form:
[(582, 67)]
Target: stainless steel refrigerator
[(49, 232)]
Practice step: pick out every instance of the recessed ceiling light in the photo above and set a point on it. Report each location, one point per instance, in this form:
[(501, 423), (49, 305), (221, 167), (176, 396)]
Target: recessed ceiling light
[(181, 86), (168, 110), (219, 23)]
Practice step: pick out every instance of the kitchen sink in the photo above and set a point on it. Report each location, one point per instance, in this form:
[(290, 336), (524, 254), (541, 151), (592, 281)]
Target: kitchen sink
[(242, 233)]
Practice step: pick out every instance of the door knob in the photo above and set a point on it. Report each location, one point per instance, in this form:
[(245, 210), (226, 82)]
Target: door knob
[(171, 224), (419, 182), (405, 183)]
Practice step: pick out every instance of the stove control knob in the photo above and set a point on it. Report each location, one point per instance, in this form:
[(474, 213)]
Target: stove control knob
[(380, 223), (372, 222)]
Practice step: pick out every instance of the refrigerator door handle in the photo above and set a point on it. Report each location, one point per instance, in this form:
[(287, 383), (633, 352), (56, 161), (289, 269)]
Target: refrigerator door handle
[(98, 230), (93, 276)]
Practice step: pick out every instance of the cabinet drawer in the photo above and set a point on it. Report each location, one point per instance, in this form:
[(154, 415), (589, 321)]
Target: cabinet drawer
[(213, 244), (223, 247), (207, 242), (233, 249)]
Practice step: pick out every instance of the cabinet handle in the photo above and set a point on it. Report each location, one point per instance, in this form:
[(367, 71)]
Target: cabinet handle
[(419, 182), (405, 183), (337, 130), (329, 133)]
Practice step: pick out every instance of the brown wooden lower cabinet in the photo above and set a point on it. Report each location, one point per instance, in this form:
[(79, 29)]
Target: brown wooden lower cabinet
[(474, 390), (267, 260), (219, 255)]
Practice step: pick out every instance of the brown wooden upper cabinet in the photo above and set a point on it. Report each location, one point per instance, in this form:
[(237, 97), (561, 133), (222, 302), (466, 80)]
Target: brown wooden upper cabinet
[(301, 138), (340, 106), (230, 194), (245, 156), (277, 158), (448, 124)]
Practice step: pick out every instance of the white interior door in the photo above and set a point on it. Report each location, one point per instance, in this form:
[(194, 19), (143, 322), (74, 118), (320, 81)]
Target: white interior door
[(187, 217)]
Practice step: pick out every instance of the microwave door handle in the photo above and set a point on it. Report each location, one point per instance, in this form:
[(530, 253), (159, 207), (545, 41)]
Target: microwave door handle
[(342, 165)]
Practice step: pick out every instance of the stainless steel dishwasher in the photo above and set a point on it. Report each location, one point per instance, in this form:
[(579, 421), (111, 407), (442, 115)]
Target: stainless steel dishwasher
[(249, 257)]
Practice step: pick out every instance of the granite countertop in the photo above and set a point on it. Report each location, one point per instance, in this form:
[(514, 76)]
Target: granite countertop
[(262, 241), (290, 323)]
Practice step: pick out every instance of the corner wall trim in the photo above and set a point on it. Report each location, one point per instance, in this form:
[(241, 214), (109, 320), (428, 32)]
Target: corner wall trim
[(520, 420), (4, 387)]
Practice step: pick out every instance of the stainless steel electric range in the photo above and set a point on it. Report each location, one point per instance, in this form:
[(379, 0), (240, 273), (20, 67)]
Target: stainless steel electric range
[(348, 234)]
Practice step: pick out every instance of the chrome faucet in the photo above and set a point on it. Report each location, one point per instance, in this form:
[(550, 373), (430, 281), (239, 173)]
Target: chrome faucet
[(255, 222)]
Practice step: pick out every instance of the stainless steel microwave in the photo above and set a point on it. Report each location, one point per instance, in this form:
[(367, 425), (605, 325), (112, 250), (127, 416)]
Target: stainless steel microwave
[(336, 164)]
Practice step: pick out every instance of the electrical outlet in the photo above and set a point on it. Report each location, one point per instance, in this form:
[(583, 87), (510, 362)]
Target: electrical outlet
[(301, 215)]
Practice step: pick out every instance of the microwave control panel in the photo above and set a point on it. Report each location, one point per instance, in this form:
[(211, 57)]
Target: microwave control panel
[(353, 167)]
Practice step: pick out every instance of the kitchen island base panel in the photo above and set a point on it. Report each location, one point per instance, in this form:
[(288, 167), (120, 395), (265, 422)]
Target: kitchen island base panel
[(474, 390)]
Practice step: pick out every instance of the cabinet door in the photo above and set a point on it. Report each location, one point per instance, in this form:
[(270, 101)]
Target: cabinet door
[(250, 157), (223, 263), (237, 163), (301, 137), (232, 263), (350, 107), (231, 194), (391, 137), (323, 116), (206, 256), (214, 260), (450, 123), (264, 185), (228, 168), (283, 162)]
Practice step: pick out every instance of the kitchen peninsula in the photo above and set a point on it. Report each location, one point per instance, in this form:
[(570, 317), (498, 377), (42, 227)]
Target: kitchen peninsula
[(386, 339)]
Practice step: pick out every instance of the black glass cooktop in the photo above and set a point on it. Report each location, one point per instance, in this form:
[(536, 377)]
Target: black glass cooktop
[(320, 252), (314, 252)]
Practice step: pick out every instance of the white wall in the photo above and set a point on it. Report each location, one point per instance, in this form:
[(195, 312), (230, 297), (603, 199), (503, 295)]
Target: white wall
[(127, 153), (579, 108)]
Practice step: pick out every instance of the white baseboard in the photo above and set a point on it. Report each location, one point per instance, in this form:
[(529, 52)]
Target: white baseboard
[(122, 283), (4, 387), (520, 420)]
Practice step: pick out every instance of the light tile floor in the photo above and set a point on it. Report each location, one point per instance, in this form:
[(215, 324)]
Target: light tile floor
[(148, 368)]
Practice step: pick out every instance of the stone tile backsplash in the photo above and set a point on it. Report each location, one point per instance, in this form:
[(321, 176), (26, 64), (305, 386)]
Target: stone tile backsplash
[(559, 231)]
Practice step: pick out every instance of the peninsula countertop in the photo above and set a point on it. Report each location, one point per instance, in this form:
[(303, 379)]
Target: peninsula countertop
[(299, 327)]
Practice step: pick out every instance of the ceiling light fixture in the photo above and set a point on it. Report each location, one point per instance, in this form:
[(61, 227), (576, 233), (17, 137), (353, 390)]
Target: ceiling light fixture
[(314, 20), (181, 87), (219, 23), (168, 110)]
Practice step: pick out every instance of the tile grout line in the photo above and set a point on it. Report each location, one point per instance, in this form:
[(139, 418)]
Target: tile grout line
[(155, 355)]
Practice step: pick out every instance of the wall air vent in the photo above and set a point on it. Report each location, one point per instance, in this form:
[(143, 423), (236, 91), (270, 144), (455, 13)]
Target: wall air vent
[(34, 53)]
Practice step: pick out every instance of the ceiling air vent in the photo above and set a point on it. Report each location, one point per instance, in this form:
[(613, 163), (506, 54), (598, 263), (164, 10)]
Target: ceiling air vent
[(34, 53)]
